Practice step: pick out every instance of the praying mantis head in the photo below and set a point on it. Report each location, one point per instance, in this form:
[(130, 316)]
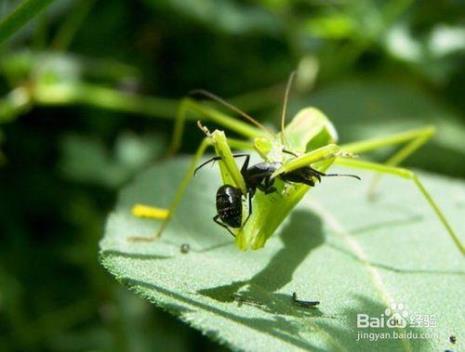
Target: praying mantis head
[(310, 129)]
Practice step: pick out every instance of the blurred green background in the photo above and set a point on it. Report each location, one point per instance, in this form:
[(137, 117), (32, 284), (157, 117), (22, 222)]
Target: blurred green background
[(88, 94)]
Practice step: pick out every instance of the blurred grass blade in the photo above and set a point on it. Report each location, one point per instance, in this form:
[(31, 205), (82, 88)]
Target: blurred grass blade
[(73, 22), (25, 11)]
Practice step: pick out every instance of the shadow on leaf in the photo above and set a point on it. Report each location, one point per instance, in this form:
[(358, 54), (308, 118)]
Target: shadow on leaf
[(259, 290)]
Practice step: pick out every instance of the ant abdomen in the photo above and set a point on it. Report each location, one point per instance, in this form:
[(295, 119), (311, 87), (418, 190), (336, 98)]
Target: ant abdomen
[(229, 205)]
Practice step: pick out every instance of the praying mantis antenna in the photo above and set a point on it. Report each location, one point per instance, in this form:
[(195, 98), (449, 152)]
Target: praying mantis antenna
[(283, 113), (231, 107)]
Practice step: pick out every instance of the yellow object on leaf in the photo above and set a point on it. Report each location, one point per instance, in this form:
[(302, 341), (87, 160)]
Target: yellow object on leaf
[(146, 211)]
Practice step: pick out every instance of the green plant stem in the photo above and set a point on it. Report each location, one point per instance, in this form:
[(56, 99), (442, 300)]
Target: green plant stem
[(20, 16), (103, 97), (79, 93)]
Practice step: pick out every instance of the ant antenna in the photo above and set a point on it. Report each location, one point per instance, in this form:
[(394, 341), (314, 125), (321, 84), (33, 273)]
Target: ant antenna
[(230, 106), (286, 98), (343, 175)]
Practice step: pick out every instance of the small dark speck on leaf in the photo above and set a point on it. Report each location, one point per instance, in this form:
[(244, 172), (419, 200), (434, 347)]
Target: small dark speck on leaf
[(452, 339), (305, 304), (185, 248)]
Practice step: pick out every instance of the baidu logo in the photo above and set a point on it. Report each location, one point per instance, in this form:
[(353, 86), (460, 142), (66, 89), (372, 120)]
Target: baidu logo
[(396, 322), (394, 316)]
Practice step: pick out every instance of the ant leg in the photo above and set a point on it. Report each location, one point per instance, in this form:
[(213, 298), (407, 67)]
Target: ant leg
[(300, 176), (311, 172), (318, 175), (267, 185), (215, 219), (245, 165), (216, 158)]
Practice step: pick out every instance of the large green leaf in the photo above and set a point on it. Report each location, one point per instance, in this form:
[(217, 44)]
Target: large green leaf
[(354, 255)]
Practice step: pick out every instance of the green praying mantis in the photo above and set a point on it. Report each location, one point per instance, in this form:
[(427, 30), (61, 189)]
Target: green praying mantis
[(310, 139)]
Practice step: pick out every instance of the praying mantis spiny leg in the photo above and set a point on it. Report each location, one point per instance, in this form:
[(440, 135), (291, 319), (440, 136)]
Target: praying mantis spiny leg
[(184, 184), (398, 138), (413, 140), (327, 152), (419, 137), (410, 175)]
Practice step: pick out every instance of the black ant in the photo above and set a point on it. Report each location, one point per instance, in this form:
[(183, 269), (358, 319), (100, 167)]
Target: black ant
[(229, 198), (258, 176)]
